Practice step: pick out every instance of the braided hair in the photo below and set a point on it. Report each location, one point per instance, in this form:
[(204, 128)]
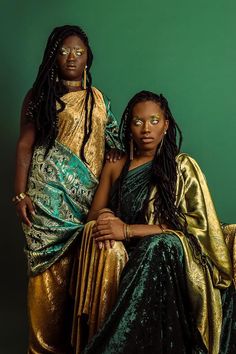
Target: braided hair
[(47, 91), (164, 166)]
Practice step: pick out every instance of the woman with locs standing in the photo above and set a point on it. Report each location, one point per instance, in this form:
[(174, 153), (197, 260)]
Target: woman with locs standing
[(154, 209), (66, 126)]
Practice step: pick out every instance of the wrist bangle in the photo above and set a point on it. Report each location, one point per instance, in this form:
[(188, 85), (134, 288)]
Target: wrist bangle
[(127, 232), (18, 198), (105, 210), (162, 229)]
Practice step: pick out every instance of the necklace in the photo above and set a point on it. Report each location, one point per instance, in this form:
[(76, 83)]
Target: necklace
[(71, 83)]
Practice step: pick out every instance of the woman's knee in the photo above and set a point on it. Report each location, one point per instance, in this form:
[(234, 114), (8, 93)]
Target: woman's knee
[(169, 243), (117, 251)]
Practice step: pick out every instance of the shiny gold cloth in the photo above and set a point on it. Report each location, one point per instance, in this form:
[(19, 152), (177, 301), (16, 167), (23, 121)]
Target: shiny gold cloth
[(49, 309), (206, 272), (98, 276), (230, 239), (71, 127)]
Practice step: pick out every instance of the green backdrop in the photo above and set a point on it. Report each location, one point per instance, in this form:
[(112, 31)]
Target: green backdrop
[(184, 49)]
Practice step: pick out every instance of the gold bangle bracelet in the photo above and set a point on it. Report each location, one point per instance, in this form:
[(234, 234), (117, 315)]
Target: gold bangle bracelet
[(128, 232), (18, 198), (162, 230)]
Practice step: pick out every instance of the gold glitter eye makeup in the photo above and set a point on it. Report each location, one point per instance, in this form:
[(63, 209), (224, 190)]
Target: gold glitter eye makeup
[(64, 51), (154, 120), (76, 51), (137, 121), (79, 52)]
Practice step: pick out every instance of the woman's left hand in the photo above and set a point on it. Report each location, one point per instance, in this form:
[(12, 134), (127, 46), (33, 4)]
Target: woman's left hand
[(108, 229), (107, 244), (113, 155)]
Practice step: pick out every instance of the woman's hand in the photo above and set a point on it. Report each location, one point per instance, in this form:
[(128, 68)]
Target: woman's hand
[(107, 244), (113, 155), (109, 228), (24, 210), (105, 215)]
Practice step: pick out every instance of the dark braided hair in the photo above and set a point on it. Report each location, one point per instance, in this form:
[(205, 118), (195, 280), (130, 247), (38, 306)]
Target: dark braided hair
[(47, 91), (164, 166)]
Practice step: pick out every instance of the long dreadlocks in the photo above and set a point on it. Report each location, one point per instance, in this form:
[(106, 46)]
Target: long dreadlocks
[(47, 92), (164, 167)]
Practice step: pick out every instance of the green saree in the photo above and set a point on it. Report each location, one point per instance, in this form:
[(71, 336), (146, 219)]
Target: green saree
[(170, 294)]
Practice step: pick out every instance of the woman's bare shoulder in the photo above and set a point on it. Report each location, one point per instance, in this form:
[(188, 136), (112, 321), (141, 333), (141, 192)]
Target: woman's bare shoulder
[(114, 168)]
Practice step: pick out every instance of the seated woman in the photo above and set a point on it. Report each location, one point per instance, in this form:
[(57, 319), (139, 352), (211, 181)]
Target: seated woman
[(153, 208)]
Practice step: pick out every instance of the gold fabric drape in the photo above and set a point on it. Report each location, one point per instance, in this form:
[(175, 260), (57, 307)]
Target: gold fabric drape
[(71, 127), (205, 277), (230, 239), (50, 309), (98, 274)]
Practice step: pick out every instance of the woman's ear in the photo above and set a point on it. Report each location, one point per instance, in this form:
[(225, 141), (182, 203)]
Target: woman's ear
[(166, 124)]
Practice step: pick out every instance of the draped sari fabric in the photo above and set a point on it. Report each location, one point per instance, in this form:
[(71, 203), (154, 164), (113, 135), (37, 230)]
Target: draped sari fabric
[(98, 275), (173, 297), (61, 185)]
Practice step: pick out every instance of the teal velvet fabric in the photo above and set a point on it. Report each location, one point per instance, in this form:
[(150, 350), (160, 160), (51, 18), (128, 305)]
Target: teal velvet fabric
[(111, 131), (152, 313), (228, 335)]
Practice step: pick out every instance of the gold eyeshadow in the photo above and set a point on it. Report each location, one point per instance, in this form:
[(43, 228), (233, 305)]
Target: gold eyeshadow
[(76, 51), (139, 121)]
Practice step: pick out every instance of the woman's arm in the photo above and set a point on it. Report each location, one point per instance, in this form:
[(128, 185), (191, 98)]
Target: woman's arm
[(140, 230), (100, 201), (116, 229), (109, 174), (24, 151)]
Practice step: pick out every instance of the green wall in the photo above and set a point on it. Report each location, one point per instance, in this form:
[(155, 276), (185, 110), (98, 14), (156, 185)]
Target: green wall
[(184, 49)]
